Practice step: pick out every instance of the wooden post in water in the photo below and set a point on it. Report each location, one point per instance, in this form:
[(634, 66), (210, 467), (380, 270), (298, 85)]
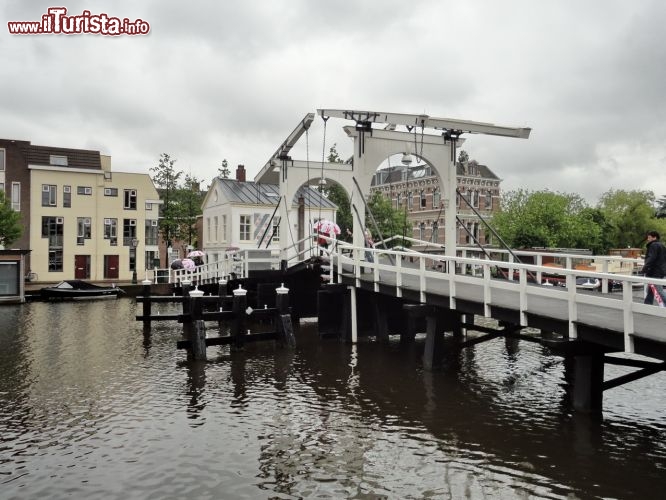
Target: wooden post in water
[(221, 294), (239, 307), (187, 322), (198, 331), (147, 306), (284, 318)]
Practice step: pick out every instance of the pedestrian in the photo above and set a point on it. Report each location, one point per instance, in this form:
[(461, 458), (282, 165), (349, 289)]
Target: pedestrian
[(369, 244), (654, 266)]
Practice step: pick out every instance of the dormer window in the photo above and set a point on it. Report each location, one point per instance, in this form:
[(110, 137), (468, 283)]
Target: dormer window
[(58, 160)]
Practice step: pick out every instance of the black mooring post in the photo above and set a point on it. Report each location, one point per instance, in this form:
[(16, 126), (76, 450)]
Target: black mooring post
[(221, 294), (434, 339), (187, 321), (284, 326), (588, 380), (239, 307), (379, 310), (147, 306), (198, 333)]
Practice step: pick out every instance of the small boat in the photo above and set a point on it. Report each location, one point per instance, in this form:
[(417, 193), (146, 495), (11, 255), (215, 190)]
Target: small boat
[(588, 283), (79, 290)]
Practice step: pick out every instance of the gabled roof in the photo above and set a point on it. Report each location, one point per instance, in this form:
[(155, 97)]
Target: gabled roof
[(253, 193)]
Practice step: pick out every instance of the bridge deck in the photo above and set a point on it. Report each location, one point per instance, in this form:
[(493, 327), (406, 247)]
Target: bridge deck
[(618, 320)]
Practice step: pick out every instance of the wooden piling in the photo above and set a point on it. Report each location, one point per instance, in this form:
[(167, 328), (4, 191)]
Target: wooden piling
[(284, 326), (239, 307), (147, 306), (187, 323), (198, 332)]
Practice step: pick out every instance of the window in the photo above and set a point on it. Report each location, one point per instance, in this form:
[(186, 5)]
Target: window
[(410, 200), (435, 232), (49, 195), (423, 198), (149, 206), (422, 231), (276, 231), (129, 231), (111, 230), (2, 186), (489, 199), (129, 199), (16, 196), (474, 198), (67, 196), (152, 232), (224, 228), (58, 160), (209, 235), (52, 228), (2, 160), (55, 260), (84, 190), (245, 226), (110, 191), (398, 200), (83, 230), (436, 198), (216, 229)]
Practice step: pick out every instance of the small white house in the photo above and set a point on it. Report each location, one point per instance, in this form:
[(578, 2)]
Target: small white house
[(242, 215)]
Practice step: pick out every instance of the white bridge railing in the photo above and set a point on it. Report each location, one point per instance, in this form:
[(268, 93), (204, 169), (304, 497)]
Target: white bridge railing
[(491, 277), (519, 286)]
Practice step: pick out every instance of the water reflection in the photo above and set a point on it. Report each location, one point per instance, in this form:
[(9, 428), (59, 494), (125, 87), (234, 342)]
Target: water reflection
[(85, 401)]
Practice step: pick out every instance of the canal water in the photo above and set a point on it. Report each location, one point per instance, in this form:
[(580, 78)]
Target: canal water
[(90, 408)]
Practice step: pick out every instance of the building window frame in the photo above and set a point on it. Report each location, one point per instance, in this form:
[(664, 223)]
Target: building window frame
[(129, 199), (16, 196), (49, 195), (244, 227)]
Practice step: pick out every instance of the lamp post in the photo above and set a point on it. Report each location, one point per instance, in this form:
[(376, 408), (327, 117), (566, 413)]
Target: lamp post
[(135, 243)]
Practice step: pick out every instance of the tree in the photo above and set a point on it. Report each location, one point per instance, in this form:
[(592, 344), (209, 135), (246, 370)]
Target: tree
[(187, 203), (630, 214), (545, 219), (333, 156), (224, 170), (389, 220), (10, 225), (165, 177)]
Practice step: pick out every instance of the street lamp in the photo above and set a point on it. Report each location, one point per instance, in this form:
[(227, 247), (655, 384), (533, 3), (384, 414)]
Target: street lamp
[(135, 243)]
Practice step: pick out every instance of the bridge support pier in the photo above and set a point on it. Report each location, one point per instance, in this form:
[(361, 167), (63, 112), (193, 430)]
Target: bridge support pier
[(588, 381)]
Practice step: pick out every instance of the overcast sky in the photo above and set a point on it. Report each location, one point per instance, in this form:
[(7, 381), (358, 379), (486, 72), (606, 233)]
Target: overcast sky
[(221, 79)]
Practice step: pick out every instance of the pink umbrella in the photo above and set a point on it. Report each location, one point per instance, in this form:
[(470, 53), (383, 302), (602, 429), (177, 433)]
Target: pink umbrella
[(195, 253), (327, 227), (188, 264)]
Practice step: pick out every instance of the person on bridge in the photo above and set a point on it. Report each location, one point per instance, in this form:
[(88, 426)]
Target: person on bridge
[(654, 267)]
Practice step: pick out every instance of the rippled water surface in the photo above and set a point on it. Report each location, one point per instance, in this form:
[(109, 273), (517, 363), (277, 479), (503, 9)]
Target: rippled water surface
[(92, 408)]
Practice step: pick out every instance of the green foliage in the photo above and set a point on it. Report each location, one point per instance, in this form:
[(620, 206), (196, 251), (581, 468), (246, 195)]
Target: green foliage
[(181, 202), (333, 156), (629, 215), (343, 218), (391, 221), (10, 225), (546, 219), (187, 205)]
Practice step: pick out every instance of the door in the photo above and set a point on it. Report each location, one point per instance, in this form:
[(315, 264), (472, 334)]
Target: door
[(111, 267), (82, 267)]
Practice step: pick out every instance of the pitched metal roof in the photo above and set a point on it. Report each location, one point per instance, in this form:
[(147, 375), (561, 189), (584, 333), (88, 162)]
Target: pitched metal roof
[(254, 193)]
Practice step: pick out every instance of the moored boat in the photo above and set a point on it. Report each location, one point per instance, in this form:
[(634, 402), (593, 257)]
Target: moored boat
[(79, 290)]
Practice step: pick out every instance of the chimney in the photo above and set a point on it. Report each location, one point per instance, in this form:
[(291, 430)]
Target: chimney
[(240, 173)]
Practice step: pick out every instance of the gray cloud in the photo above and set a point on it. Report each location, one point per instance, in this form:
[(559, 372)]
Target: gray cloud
[(231, 79)]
